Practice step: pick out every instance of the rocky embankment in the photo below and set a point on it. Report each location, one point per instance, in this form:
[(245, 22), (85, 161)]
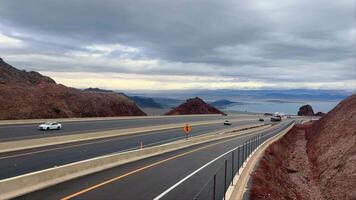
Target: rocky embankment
[(312, 161), (194, 106), (29, 95)]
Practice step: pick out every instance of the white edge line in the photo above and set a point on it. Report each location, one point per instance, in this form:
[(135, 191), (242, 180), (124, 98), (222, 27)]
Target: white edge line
[(196, 171)]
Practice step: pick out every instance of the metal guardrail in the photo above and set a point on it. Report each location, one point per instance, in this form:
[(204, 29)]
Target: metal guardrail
[(216, 186)]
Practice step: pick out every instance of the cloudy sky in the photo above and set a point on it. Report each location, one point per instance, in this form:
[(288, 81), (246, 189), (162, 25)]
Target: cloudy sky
[(181, 44)]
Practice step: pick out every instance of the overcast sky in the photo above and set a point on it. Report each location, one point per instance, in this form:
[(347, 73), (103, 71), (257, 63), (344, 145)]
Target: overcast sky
[(178, 44)]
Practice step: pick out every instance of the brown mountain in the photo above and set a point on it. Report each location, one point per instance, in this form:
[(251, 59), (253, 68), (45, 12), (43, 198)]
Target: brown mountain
[(194, 106), (29, 95)]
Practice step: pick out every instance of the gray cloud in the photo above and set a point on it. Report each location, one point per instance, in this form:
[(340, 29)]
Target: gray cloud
[(268, 41)]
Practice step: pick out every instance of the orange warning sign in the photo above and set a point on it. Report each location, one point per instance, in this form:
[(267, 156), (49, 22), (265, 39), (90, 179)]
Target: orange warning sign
[(187, 128)]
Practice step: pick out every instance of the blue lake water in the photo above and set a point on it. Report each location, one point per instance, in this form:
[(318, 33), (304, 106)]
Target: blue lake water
[(285, 107)]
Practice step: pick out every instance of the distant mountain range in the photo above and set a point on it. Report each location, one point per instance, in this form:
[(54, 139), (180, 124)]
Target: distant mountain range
[(246, 95), (145, 102)]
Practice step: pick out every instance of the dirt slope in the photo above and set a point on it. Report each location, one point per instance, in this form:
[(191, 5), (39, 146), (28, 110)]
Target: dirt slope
[(332, 150), (194, 106), (25, 95), (316, 161)]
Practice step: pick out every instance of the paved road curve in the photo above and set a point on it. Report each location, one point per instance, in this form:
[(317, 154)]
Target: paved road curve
[(148, 178), (26, 161), (29, 131)]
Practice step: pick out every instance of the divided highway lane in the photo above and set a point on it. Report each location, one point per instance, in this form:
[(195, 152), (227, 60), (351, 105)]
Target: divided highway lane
[(29, 131), (26, 161), (148, 178)]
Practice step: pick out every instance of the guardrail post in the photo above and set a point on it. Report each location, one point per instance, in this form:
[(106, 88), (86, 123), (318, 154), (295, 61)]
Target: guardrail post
[(225, 178), (232, 167)]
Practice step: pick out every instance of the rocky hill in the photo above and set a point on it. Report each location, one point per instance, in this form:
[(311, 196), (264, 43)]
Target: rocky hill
[(194, 106), (28, 95), (306, 110)]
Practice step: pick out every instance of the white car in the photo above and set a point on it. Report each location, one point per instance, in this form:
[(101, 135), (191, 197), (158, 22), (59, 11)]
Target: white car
[(227, 122), (50, 126)]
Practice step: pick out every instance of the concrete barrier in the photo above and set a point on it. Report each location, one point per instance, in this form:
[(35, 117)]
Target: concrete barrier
[(64, 139), (16, 186)]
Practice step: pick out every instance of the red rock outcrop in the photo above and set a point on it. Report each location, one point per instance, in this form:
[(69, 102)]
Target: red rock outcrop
[(306, 110), (29, 95), (194, 106)]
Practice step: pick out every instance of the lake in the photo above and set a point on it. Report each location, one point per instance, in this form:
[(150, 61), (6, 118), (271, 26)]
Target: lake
[(285, 107)]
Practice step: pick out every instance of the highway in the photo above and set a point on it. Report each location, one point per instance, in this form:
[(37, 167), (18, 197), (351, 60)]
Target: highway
[(14, 132), (168, 176), (31, 160)]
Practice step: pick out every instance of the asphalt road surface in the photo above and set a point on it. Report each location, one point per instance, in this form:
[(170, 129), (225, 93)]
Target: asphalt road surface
[(151, 177), (29, 131), (31, 160)]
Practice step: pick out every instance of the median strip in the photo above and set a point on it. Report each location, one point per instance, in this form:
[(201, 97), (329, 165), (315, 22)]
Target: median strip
[(16, 186)]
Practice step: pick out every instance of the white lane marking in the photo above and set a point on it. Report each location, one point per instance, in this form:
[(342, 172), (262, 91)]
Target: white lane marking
[(193, 173), (198, 170)]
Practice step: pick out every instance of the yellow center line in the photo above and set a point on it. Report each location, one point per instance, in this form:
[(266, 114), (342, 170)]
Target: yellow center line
[(141, 169)]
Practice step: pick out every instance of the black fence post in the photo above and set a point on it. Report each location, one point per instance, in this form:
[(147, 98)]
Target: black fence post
[(243, 154), (255, 142), (238, 160), (245, 157), (225, 178), (232, 167), (214, 188)]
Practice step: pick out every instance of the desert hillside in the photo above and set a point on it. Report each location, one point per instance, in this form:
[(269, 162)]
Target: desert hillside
[(312, 161), (331, 147), (29, 95), (194, 106)]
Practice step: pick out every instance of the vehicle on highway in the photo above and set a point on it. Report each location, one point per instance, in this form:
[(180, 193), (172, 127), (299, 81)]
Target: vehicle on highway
[(50, 126), (276, 118), (227, 122), (261, 120)]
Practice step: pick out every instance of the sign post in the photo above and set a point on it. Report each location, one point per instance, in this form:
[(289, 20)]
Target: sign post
[(187, 128)]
